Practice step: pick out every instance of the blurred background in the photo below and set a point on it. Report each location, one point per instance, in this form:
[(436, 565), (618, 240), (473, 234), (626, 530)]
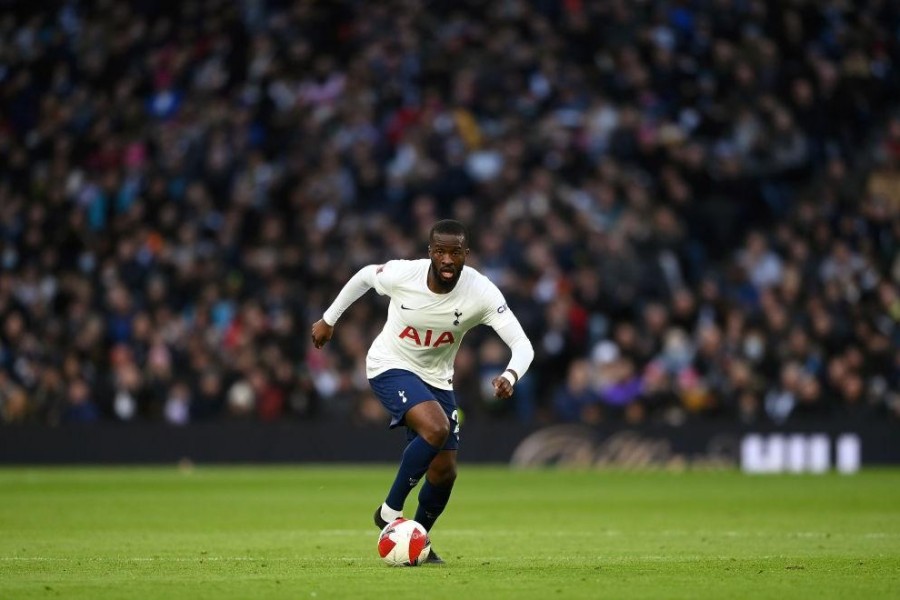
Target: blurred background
[(692, 206)]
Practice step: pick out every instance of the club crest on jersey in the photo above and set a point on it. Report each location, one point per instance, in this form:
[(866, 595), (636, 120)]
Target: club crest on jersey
[(457, 314), (428, 337)]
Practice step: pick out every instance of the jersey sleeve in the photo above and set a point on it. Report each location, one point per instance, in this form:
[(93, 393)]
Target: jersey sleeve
[(507, 326), (386, 276), (359, 284), (495, 311)]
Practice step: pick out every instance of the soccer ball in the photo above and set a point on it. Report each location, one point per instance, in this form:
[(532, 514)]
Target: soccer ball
[(404, 543)]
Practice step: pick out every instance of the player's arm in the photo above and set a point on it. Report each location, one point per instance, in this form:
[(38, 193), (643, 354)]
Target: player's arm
[(522, 354), (359, 284)]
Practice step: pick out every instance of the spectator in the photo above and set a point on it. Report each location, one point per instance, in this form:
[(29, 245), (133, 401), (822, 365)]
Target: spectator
[(80, 408), (713, 190), (576, 400)]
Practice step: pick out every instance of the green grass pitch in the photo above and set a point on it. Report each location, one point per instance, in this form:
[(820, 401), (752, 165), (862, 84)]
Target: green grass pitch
[(305, 532)]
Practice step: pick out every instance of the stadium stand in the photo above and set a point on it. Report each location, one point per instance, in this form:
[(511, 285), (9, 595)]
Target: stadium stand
[(693, 206)]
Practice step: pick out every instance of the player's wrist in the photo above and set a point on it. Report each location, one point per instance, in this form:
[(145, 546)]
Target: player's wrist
[(510, 376)]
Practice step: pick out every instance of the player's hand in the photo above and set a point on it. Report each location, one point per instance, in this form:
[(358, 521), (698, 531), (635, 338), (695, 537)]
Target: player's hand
[(503, 389), (321, 333)]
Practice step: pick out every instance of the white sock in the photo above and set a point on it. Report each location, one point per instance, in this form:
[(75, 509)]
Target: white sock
[(389, 514)]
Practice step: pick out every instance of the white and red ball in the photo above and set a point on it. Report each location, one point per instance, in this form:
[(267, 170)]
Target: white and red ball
[(404, 543)]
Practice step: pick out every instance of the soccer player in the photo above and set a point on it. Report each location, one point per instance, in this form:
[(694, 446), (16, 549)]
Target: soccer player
[(434, 302)]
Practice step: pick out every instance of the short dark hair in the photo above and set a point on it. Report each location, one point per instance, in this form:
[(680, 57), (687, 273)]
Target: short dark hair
[(451, 227)]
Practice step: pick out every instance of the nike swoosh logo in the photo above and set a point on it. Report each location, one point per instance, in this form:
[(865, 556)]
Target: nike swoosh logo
[(406, 307)]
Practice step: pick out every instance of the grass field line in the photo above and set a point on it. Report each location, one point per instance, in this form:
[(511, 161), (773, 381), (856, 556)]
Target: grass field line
[(568, 533), (617, 559), (618, 533), (103, 559)]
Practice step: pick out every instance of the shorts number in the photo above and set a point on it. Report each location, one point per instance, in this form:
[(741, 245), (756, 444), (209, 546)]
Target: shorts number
[(455, 417)]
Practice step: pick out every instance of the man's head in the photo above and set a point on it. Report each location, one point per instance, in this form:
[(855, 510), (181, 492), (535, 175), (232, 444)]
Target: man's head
[(448, 247)]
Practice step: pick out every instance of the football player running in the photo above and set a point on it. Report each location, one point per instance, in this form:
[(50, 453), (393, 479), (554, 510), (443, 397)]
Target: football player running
[(433, 303)]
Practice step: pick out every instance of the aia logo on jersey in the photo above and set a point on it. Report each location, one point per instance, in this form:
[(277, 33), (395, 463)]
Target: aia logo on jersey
[(427, 338)]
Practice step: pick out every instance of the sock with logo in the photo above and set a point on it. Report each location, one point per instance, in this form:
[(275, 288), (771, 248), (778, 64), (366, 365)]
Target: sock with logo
[(432, 501), (416, 458)]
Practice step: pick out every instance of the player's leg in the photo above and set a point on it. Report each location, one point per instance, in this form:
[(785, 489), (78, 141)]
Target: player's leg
[(410, 402), (441, 475), (432, 427), (435, 493), (436, 489)]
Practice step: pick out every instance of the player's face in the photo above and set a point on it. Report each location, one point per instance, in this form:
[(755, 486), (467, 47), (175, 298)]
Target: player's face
[(448, 256)]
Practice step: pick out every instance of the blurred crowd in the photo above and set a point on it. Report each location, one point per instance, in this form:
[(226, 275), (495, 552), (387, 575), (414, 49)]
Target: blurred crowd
[(693, 206)]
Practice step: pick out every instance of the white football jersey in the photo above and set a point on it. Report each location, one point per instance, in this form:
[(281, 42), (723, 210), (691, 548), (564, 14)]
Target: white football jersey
[(423, 329)]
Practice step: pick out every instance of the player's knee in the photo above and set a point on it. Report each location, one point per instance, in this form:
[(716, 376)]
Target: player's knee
[(436, 432)]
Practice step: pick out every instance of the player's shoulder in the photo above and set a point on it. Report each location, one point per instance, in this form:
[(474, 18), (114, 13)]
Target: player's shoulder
[(478, 279), (480, 288), (400, 268)]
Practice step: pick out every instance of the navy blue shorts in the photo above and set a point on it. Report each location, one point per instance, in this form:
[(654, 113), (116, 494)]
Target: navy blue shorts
[(400, 390)]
